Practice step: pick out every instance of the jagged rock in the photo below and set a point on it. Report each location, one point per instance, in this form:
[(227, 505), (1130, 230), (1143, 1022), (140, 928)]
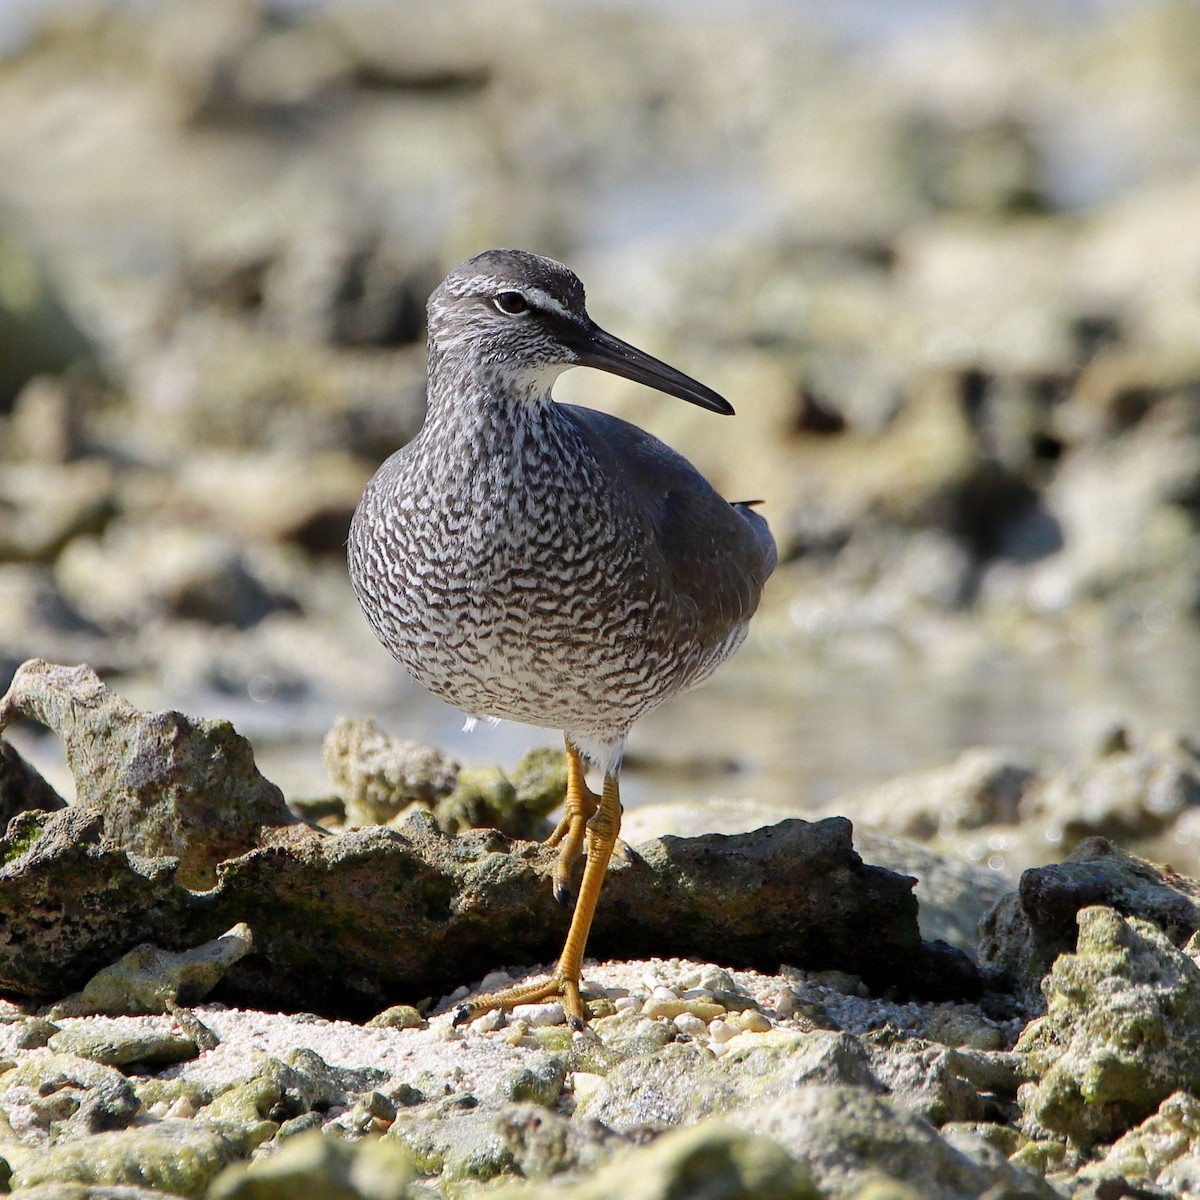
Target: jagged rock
[(1121, 1031), (167, 784), (847, 1137), (376, 916), (455, 1139), (1030, 928), (43, 507), (1125, 794), (170, 1155), (682, 1083), (137, 571), (21, 787), (543, 1143), (150, 980), (64, 1097), (91, 1191), (317, 1166), (954, 895), (981, 787), (120, 1049), (378, 775), (275, 1092), (713, 1159), (1163, 1151)]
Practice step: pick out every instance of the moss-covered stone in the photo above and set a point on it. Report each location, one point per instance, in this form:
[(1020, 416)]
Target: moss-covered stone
[(457, 1140), (35, 1032), (1121, 1031), (158, 1093), (399, 1016), (277, 1092), (379, 775), (540, 780), (21, 833), (182, 1157), (166, 783), (682, 1082), (538, 1082), (318, 1167), (848, 1138), (120, 1047), (484, 797), (90, 1191), (1026, 931), (711, 1160), (545, 1143), (151, 980), (1162, 1152), (67, 1096)]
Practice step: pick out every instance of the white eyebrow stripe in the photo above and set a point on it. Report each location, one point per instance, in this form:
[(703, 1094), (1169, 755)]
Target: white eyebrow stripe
[(542, 299)]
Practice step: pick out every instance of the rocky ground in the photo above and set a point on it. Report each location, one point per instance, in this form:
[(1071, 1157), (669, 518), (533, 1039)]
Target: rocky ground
[(783, 1029), (946, 272)]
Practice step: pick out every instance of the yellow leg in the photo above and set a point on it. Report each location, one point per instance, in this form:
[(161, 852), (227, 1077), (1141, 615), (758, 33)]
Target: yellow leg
[(579, 808), (601, 836)]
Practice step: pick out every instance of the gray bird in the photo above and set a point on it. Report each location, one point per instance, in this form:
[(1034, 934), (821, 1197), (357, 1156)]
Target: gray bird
[(546, 563)]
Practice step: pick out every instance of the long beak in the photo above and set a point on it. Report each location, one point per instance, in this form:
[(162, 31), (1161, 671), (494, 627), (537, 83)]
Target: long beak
[(595, 348)]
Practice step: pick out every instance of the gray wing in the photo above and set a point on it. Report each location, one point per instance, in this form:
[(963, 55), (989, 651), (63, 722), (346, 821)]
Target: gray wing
[(714, 555)]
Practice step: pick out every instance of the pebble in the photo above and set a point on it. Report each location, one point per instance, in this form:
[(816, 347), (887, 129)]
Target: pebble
[(706, 1010), (753, 1021), (664, 993), (721, 1032), (691, 1025), (625, 1003), (489, 1021), (183, 1107), (494, 981), (538, 1016), (585, 1084)]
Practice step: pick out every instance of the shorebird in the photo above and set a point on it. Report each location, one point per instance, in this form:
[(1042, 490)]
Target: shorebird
[(545, 563)]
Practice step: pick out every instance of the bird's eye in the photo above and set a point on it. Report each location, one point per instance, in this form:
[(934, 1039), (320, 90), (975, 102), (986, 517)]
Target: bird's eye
[(511, 303)]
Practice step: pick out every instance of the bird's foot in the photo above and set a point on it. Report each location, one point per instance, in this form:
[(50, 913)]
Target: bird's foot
[(556, 987)]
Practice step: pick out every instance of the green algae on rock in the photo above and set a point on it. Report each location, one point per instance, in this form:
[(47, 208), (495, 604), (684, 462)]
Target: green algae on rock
[(151, 980), (848, 1138), (166, 783), (682, 1083), (380, 777), (324, 1168), (65, 1097), (1028, 929), (169, 1155), (376, 915), (123, 1048), (1121, 1031), (1163, 1151), (712, 1159)]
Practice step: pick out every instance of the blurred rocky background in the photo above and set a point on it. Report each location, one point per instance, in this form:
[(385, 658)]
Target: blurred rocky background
[(943, 259)]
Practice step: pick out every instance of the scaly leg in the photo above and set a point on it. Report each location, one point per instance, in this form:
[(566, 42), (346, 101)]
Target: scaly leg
[(601, 836), (579, 808)]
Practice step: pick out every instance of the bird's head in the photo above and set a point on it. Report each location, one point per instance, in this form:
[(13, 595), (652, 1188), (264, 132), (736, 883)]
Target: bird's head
[(520, 319)]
